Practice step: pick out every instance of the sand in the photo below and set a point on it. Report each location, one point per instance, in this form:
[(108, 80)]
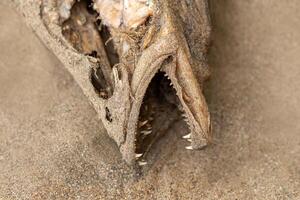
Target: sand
[(52, 145)]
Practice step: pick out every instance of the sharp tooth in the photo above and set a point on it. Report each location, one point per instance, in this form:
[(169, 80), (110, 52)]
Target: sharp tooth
[(189, 140), (146, 132), (142, 163), (188, 136), (138, 155), (189, 148), (143, 123)]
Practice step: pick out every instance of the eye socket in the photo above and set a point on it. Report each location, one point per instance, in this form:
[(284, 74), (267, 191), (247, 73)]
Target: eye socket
[(108, 115), (84, 31)]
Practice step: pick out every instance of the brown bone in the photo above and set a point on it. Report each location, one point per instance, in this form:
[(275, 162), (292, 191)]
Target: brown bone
[(126, 60)]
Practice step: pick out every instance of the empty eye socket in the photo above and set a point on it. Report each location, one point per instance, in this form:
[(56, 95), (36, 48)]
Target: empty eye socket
[(83, 29)]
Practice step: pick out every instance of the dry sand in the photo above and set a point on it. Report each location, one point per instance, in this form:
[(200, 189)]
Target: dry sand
[(52, 146)]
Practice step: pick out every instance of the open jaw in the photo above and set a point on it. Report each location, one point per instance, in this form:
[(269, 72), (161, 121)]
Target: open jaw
[(159, 110), (165, 101), (141, 72)]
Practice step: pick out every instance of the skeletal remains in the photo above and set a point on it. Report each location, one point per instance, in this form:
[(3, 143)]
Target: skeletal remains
[(147, 65)]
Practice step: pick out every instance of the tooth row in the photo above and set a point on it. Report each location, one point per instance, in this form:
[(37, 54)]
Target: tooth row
[(185, 118), (145, 129), (140, 162), (188, 138)]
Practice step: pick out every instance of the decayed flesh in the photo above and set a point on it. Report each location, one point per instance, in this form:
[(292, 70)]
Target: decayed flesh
[(150, 44), (126, 13)]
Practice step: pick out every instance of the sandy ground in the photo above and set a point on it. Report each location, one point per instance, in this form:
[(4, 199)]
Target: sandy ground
[(52, 146)]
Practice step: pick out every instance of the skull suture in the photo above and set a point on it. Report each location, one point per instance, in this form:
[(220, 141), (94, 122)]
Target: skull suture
[(148, 64)]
